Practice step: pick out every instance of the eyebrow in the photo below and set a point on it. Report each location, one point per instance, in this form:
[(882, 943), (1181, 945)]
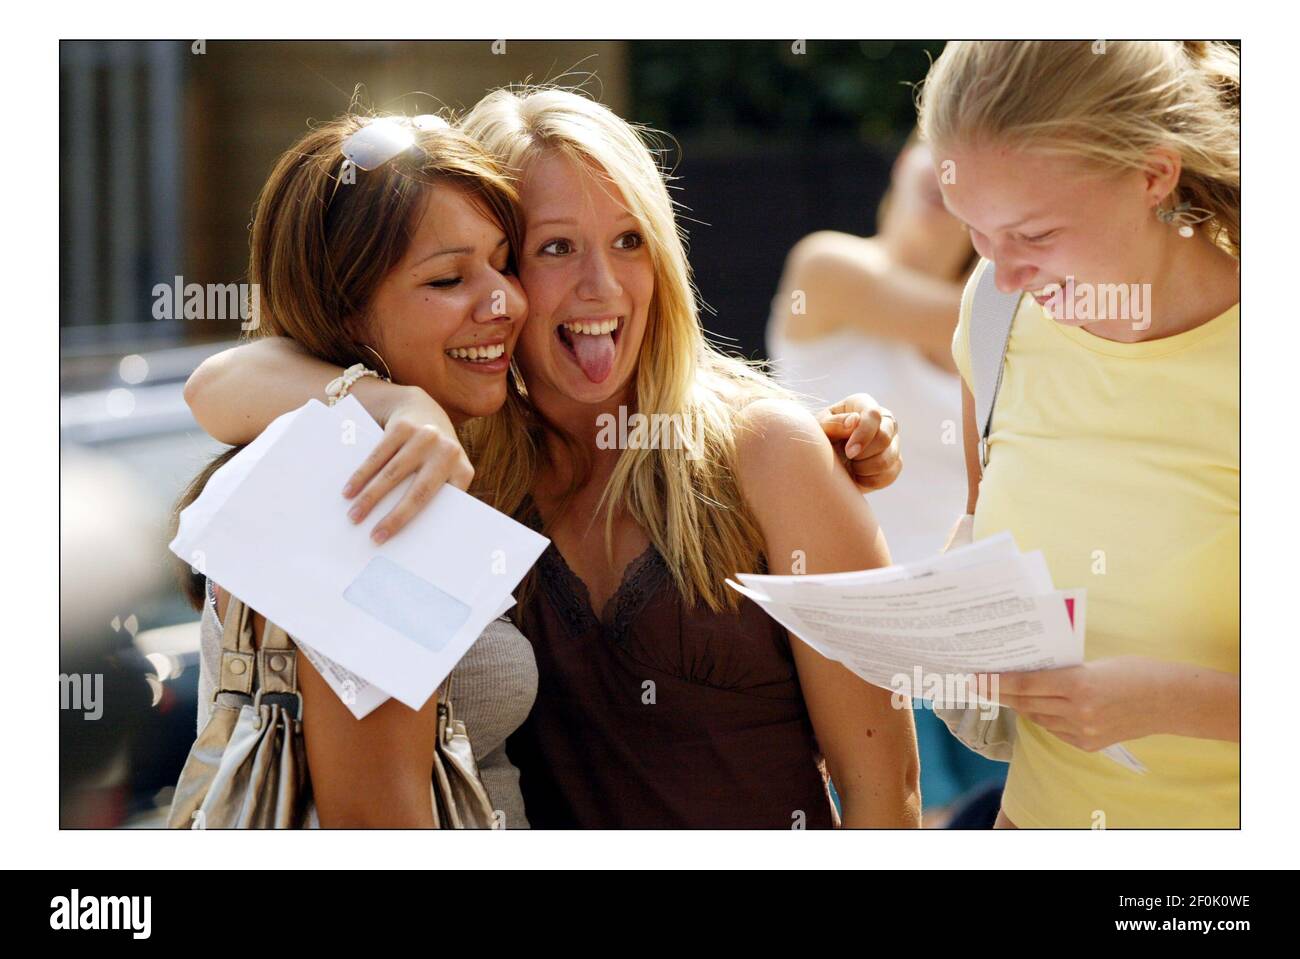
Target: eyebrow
[(463, 250), (570, 221), (1021, 222), (1008, 226)]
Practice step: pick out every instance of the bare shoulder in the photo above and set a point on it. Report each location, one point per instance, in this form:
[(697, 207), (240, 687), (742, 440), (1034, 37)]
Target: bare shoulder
[(774, 419), (841, 249), (779, 445), (803, 500)]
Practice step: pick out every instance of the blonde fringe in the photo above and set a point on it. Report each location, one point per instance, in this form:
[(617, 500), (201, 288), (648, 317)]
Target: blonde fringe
[(1109, 107)]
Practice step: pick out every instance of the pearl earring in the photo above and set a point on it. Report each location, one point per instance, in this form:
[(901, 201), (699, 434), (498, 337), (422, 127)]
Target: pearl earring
[(1185, 215)]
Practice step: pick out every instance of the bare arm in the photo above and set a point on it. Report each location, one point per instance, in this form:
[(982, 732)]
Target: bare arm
[(371, 773), (847, 282), (1107, 701), (1204, 703), (237, 393), (807, 506)]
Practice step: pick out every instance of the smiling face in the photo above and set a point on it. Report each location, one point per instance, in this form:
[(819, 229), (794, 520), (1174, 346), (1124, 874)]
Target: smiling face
[(590, 281), (446, 318), (1041, 219)]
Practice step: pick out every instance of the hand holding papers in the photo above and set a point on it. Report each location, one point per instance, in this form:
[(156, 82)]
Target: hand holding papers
[(375, 620), (926, 627), (978, 609)]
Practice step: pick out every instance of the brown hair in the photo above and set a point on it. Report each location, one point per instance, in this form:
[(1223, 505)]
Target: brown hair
[(324, 236)]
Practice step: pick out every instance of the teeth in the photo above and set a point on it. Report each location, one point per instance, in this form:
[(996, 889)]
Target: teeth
[(593, 329), (480, 354)]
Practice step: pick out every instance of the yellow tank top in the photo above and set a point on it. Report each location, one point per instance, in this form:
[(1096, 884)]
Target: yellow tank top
[(1120, 461)]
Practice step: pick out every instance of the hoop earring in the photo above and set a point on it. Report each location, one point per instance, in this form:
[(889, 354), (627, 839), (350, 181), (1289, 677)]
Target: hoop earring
[(388, 374), (1185, 215)]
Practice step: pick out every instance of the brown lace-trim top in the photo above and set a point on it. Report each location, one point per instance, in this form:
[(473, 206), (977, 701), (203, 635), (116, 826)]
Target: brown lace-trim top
[(658, 715)]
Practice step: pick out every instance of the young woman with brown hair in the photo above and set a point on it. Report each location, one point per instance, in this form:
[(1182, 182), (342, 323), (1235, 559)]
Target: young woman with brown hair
[(411, 261)]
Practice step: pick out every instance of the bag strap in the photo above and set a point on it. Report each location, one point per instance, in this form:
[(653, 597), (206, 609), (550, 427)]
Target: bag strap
[(445, 714), (992, 314), (246, 669)]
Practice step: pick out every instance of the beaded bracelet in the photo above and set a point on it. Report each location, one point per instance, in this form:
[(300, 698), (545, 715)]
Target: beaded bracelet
[(339, 387)]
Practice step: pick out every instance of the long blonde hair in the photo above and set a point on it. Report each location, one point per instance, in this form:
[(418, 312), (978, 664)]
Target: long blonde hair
[(1104, 101), (685, 498)]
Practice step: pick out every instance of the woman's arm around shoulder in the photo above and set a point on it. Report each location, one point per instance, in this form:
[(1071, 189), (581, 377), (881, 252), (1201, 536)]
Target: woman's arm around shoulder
[(235, 394), (814, 520)]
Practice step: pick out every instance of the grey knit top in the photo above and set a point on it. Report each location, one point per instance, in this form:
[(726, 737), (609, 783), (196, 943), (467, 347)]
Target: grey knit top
[(494, 686)]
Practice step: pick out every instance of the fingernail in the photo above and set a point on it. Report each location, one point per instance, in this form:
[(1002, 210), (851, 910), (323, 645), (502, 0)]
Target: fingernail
[(347, 490), (379, 535), (354, 513), (851, 450), (852, 420)]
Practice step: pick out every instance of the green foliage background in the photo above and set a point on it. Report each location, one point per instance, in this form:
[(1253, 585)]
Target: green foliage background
[(743, 91)]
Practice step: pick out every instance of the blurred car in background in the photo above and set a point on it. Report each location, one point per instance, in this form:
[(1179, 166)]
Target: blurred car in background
[(128, 446)]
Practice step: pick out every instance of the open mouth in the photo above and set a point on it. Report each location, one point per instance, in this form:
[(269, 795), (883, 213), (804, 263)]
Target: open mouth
[(591, 343), (487, 357), (1044, 296)]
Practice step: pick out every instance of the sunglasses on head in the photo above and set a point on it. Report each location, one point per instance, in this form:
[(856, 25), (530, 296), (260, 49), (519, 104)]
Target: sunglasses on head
[(384, 138)]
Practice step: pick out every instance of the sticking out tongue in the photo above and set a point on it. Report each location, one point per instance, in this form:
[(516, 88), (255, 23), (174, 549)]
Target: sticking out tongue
[(595, 354)]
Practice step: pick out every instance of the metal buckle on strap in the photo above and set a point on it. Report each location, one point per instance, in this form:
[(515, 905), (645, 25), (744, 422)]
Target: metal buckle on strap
[(984, 452), (284, 700)]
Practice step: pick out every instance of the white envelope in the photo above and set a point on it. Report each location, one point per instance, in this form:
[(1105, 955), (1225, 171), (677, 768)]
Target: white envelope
[(271, 528)]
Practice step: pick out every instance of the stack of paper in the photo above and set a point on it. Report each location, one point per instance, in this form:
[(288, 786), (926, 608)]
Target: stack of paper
[(271, 527), (927, 627)]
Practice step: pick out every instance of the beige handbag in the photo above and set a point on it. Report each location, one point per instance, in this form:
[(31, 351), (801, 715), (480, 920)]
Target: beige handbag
[(248, 767), (460, 801)]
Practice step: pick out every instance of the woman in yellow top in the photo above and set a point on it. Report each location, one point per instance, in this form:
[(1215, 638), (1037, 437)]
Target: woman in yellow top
[(1114, 442)]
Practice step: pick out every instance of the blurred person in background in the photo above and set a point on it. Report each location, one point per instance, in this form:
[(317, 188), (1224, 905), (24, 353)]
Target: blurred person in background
[(880, 310)]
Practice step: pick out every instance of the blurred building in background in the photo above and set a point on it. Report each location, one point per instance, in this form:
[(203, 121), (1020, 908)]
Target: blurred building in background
[(165, 145)]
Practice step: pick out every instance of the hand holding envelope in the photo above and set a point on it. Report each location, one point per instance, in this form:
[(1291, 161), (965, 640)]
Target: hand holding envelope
[(376, 621)]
